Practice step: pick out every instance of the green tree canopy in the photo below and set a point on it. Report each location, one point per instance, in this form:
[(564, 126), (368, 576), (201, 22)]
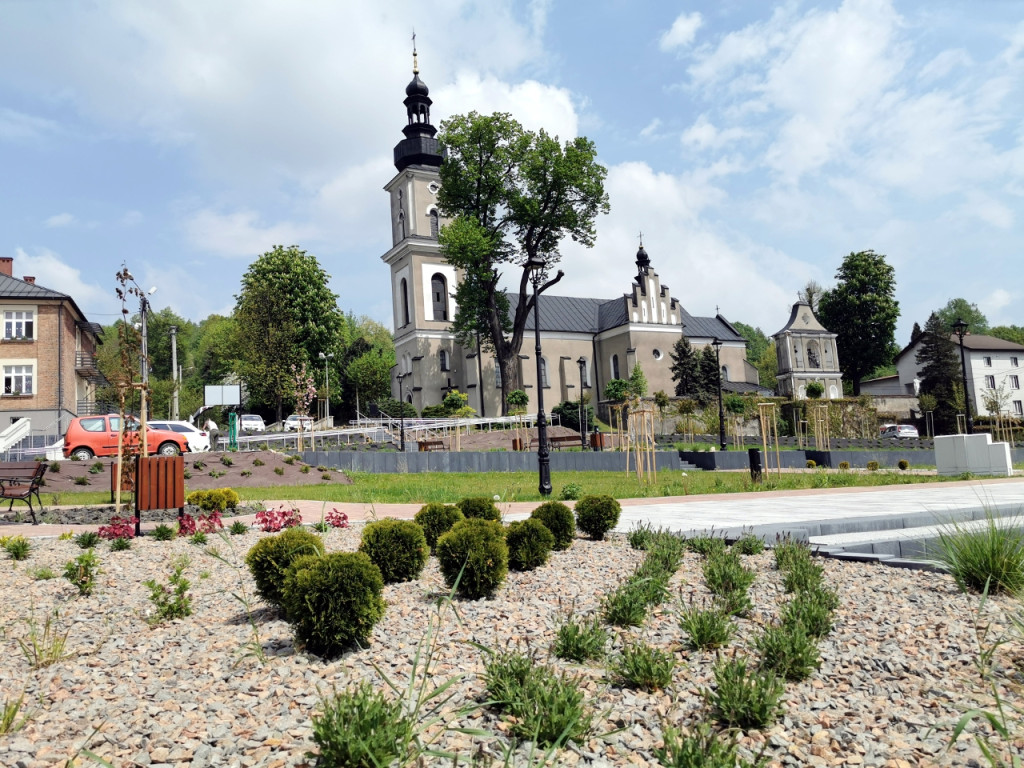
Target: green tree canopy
[(1014, 333), (810, 294), (862, 311), (940, 371), (708, 376), (637, 382), (961, 309), (513, 195), (757, 341)]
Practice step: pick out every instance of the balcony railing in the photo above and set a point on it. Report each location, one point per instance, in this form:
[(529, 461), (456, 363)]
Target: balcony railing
[(94, 408), (85, 361)]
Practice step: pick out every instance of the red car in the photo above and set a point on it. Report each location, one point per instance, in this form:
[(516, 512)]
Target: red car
[(89, 436)]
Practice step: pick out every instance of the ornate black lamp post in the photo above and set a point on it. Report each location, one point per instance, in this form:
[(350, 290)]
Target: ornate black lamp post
[(717, 344), (536, 265), (582, 363), (401, 405), (960, 329)]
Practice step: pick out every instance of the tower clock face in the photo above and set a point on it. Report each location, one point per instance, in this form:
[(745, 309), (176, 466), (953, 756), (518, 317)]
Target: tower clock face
[(433, 187), (806, 318)]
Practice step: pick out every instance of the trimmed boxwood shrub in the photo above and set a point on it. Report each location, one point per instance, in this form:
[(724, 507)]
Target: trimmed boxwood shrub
[(596, 515), (271, 556), (397, 547), (437, 519), (811, 464), (903, 464), (479, 506), (474, 554), (221, 499), (334, 601), (844, 465), (529, 544), (872, 466), (559, 520)]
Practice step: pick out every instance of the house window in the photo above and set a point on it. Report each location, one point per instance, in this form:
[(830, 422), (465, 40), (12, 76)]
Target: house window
[(497, 375), (615, 366), (988, 362), (725, 373), (404, 288), (439, 296), (443, 354), (19, 324), (1014, 382), (544, 373), (1014, 363), (1018, 408), (17, 379), (434, 222), (990, 382)]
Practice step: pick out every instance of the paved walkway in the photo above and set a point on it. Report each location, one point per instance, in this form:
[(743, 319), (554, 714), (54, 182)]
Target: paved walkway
[(718, 511)]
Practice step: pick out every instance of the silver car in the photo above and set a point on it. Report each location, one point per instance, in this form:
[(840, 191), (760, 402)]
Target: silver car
[(251, 422)]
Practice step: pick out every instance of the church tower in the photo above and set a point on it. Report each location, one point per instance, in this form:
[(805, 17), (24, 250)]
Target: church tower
[(422, 283)]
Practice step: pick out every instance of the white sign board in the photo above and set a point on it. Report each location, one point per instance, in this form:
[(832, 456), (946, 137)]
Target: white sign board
[(222, 394)]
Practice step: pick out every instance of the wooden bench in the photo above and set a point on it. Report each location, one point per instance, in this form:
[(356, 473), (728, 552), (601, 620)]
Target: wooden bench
[(20, 481), (557, 441), (436, 444)]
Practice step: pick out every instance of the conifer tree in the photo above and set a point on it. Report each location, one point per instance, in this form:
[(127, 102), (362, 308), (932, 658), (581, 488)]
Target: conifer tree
[(940, 371), (684, 368)]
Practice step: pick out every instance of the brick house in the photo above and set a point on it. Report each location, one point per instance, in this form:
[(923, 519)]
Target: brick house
[(47, 355)]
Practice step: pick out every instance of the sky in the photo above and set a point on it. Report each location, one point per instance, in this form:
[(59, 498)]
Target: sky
[(753, 144)]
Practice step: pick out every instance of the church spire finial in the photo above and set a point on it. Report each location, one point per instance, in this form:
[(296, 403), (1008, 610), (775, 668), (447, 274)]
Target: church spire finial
[(415, 64), (643, 261)]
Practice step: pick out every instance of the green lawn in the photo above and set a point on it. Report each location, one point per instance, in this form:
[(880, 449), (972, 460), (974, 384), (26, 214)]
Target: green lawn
[(522, 486)]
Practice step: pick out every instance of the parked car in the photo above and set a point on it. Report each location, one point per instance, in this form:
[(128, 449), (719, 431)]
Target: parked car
[(901, 430), (198, 439), (89, 436), (292, 423), (882, 429), (251, 422)]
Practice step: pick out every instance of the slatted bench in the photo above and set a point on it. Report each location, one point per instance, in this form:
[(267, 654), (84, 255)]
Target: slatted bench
[(20, 481), (557, 441), (436, 444)]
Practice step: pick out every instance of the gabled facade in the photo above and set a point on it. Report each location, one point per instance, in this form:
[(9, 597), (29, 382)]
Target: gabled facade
[(47, 355), (607, 336), (806, 352), (991, 363)]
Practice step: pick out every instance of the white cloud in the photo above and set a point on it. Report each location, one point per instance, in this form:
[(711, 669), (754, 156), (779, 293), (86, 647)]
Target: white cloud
[(241, 233), (131, 218), (997, 300), (704, 135), (19, 126), (532, 103), (682, 32), (650, 131), (52, 271), (60, 220)]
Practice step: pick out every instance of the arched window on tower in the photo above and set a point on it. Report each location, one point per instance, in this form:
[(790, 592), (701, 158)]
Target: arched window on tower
[(435, 223), (404, 298), (439, 296), (615, 366), (443, 358), (401, 224)]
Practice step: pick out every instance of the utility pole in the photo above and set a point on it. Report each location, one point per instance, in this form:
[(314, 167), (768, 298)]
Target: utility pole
[(175, 378)]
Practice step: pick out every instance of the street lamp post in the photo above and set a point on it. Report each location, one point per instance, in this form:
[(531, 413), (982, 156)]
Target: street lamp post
[(327, 378), (144, 329), (717, 344), (582, 363), (401, 406), (536, 264), (960, 329)]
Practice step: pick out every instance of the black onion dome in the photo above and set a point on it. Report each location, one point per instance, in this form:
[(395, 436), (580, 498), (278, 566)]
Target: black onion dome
[(642, 259), (416, 87)]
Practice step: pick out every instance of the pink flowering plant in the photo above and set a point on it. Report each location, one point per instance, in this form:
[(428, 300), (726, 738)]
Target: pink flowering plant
[(118, 528), (337, 519), (305, 389), (274, 520), (208, 522)]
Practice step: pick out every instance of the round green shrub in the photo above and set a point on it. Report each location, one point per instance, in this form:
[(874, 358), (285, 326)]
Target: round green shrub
[(473, 554), (529, 544), (872, 466), (334, 601), (221, 499), (844, 465), (271, 556), (559, 520), (903, 464), (811, 464), (437, 519), (397, 547), (479, 506), (596, 515)]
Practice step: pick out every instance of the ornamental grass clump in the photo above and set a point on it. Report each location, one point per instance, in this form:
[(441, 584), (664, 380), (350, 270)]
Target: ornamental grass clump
[(361, 728), (787, 550), (437, 519), (706, 629), (705, 546), (803, 575), (333, 601), (271, 556), (748, 544), (643, 666), (558, 519), (397, 547), (626, 606), (479, 506), (744, 697), (87, 539), (724, 573), (578, 640), (529, 544), (699, 747), (812, 609), (163, 533), (788, 650), (985, 555), (596, 515), (473, 557)]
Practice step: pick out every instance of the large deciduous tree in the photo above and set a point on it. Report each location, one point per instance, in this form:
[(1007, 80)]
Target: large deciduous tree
[(940, 372), (961, 309), (512, 195), (286, 315), (862, 311)]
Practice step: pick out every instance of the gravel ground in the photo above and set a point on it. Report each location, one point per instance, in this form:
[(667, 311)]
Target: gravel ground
[(896, 674)]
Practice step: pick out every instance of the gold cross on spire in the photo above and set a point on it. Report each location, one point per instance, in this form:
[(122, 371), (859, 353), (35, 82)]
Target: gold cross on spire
[(415, 64)]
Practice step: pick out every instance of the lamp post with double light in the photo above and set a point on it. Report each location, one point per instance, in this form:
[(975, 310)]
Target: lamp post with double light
[(536, 265), (960, 329), (717, 344), (582, 363)]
